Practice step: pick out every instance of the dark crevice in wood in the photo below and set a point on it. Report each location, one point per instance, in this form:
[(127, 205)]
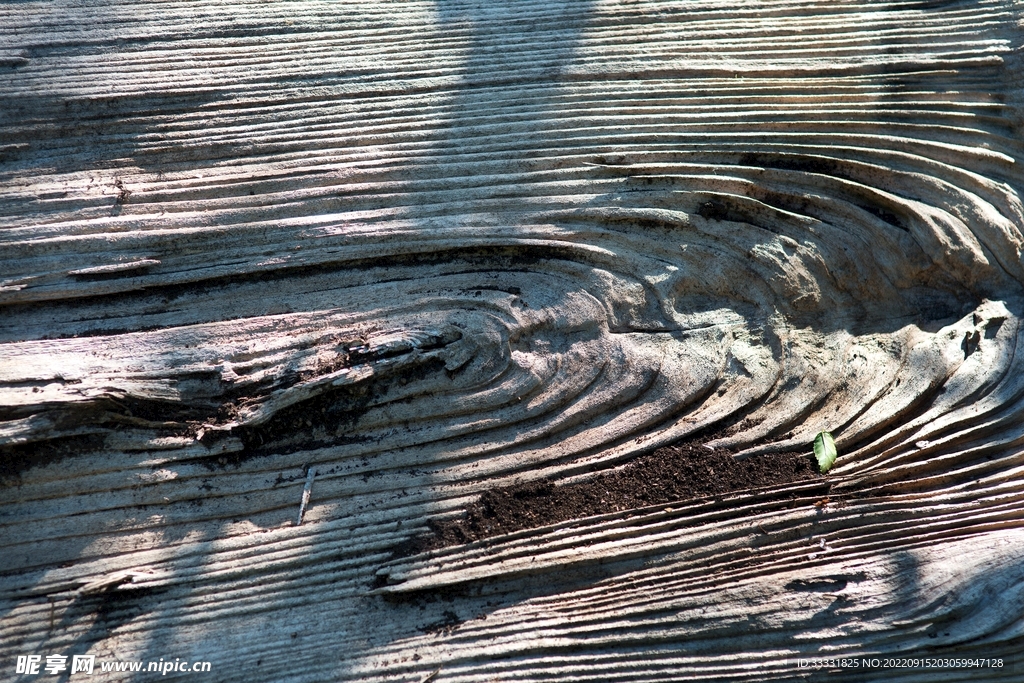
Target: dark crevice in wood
[(20, 457), (327, 419)]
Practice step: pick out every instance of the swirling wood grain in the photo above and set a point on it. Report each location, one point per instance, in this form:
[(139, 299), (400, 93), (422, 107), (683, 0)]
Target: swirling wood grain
[(431, 248)]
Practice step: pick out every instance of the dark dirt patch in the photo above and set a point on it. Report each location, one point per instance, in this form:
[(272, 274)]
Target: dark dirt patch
[(669, 474)]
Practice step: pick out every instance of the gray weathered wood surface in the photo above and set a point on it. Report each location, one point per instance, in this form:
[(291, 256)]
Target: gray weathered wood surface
[(431, 247)]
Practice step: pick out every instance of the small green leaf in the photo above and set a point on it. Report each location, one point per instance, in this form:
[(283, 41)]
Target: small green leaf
[(825, 451)]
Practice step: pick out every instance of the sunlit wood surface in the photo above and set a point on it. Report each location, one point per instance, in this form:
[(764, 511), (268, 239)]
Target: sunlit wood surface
[(426, 248)]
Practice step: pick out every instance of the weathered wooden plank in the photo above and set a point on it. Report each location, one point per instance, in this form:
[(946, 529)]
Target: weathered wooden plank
[(424, 249)]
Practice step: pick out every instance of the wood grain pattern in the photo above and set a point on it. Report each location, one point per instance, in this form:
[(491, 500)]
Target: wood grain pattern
[(427, 248)]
